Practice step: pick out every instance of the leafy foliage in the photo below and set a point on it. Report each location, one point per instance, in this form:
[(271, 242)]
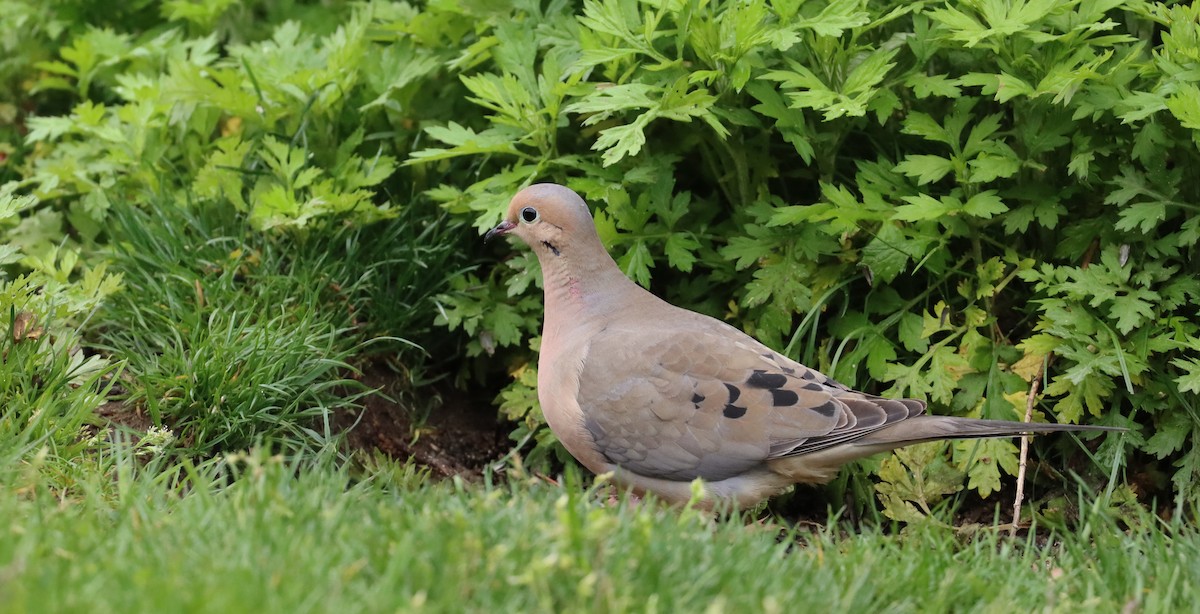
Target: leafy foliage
[(241, 180), (157, 134), (915, 479)]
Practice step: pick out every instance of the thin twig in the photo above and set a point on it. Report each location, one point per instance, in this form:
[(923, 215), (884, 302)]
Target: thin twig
[(1034, 384)]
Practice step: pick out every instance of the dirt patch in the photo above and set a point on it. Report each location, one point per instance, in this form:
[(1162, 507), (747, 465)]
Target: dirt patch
[(120, 414), (459, 436)]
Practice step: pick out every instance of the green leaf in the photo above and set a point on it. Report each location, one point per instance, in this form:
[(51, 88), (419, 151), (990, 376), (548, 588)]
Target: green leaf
[(886, 254), (776, 282), (1137, 106), (1081, 164), (922, 124), (1080, 393), (746, 251), (9, 254), (636, 263), (849, 98), (946, 367), (1143, 217), (914, 479), (1047, 213), (789, 121), (621, 141), (908, 381), (681, 251), (996, 161), (602, 103), (925, 207), (870, 72), (464, 141), (986, 205), (1133, 310), (1002, 87), (48, 128), (837, 17), (983, 459), (962, 27), (1184, 104), (1002, 20), (1171, 432), (925, 168), (1189, 381), (925, 86), (676, 102), (909, 331)]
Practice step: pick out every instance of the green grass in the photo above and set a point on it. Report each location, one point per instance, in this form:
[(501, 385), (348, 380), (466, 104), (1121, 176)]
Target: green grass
[(272, 536), (233, 337), (49, 390)]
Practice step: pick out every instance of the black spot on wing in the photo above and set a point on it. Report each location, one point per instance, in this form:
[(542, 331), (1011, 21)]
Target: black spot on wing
[(762, 379), (733, 411), (828, 409), (697, 398), (784, 398), (734, 392), (813, 386)]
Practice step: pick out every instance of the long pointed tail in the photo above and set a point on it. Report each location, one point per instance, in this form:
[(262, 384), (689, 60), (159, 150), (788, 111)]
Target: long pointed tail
[(929, 428)]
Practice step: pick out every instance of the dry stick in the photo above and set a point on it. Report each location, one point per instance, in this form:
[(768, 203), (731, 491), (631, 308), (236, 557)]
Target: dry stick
[(1034, 384)]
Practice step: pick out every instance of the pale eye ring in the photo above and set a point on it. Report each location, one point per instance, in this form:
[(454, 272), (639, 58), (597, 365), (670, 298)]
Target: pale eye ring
[(529, 215)]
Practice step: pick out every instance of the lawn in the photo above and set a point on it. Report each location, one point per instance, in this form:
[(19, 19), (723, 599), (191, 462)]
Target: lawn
[(255, 533)]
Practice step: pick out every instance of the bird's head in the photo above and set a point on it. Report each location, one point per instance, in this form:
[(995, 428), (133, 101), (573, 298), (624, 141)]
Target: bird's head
[(547, 217)]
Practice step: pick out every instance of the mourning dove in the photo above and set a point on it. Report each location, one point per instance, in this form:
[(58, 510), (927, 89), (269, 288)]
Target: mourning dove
[(659, 395)]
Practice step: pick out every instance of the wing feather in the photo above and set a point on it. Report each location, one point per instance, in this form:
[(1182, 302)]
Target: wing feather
[(701, 399)]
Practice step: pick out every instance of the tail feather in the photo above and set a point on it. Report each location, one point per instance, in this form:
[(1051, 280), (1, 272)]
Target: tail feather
[(920, 429), (820, 465)]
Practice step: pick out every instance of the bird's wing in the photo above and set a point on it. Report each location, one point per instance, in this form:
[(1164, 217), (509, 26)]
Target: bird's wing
[(691, 396)]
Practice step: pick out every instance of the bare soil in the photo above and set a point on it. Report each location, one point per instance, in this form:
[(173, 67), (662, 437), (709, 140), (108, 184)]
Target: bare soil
[(459, 436), (120, 414)]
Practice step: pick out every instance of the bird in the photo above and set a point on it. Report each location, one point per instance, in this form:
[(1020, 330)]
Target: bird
[(659, 396)]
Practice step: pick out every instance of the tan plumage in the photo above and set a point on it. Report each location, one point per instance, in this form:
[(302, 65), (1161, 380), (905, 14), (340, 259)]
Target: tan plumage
[(660, 395)]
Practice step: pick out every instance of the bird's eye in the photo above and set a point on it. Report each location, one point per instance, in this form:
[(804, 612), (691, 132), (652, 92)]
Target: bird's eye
[(529, 215)]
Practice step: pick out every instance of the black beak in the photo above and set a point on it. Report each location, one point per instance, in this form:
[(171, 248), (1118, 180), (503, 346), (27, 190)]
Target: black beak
[(502, 228)]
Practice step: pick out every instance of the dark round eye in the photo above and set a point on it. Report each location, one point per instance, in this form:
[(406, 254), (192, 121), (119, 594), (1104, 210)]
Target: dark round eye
[(529, 215)]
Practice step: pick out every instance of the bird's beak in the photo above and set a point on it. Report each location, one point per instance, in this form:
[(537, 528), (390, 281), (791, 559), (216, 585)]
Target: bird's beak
[(502, 228)]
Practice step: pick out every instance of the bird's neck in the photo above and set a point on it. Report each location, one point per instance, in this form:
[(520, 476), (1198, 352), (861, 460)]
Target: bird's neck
[(580, 288)]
